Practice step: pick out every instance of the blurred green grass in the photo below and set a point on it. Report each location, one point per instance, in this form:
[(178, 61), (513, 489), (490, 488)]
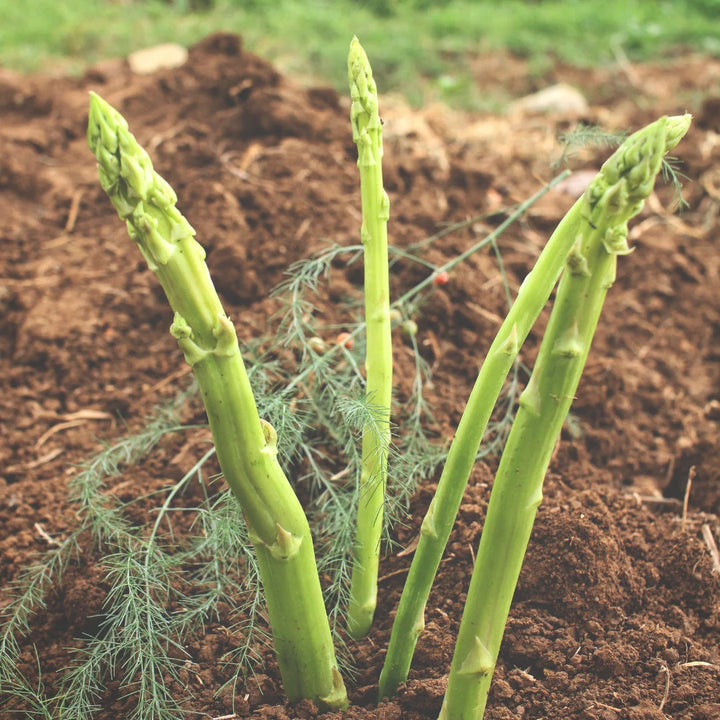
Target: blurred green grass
[(419, 48)]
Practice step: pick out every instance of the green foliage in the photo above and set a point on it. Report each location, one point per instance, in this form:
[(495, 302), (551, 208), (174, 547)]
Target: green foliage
[(160, 592), (420, 48), (386, 8), (710, 8)]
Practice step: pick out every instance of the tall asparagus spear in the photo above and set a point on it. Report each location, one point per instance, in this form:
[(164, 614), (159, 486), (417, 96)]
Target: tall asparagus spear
[(367, 134), (616, 195), (245, 444), (632, 157)]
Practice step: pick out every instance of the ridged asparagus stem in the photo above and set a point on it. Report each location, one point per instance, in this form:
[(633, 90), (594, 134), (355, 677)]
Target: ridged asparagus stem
[(438, 523), (616, 195), (440, 518), (246, 445), (367, 134)]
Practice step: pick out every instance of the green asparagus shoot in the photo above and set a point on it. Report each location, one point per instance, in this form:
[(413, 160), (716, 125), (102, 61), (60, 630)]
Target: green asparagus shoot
[(367, 134), (246, 446), (437, 525), (440, 518), (615, 196)]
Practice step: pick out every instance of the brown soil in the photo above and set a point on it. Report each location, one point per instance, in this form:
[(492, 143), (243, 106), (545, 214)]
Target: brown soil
[(617, 614)]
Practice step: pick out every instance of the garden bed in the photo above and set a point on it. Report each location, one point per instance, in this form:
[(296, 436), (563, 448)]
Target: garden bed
[(617, 614)]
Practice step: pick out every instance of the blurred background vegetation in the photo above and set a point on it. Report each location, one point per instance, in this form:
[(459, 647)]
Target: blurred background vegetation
[(419, 47)]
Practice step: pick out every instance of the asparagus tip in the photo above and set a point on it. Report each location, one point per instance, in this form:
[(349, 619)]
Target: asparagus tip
[(627, 177), (363, 91), (357, 54), (677, 126), (103, 122)]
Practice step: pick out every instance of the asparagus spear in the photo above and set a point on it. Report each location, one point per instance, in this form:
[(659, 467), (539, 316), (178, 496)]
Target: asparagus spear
[(616, 195), (533, 295), (367, 134), (246, 445)]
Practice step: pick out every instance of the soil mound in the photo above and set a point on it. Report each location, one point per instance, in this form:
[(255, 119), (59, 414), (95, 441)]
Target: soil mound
[(617, 614)]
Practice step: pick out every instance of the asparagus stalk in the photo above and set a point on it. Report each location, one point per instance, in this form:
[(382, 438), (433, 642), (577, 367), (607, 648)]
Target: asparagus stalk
[(367, 134), (615, 196), (245, 444), (440, 518), (437, 525)]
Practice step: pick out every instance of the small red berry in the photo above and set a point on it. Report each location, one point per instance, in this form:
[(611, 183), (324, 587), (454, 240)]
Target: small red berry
[(441, 278), (344, 338)]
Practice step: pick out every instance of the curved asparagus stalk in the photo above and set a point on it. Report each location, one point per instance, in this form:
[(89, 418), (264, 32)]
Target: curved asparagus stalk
[(440, 518), (367, 134), (616, 195), (246, 445)]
